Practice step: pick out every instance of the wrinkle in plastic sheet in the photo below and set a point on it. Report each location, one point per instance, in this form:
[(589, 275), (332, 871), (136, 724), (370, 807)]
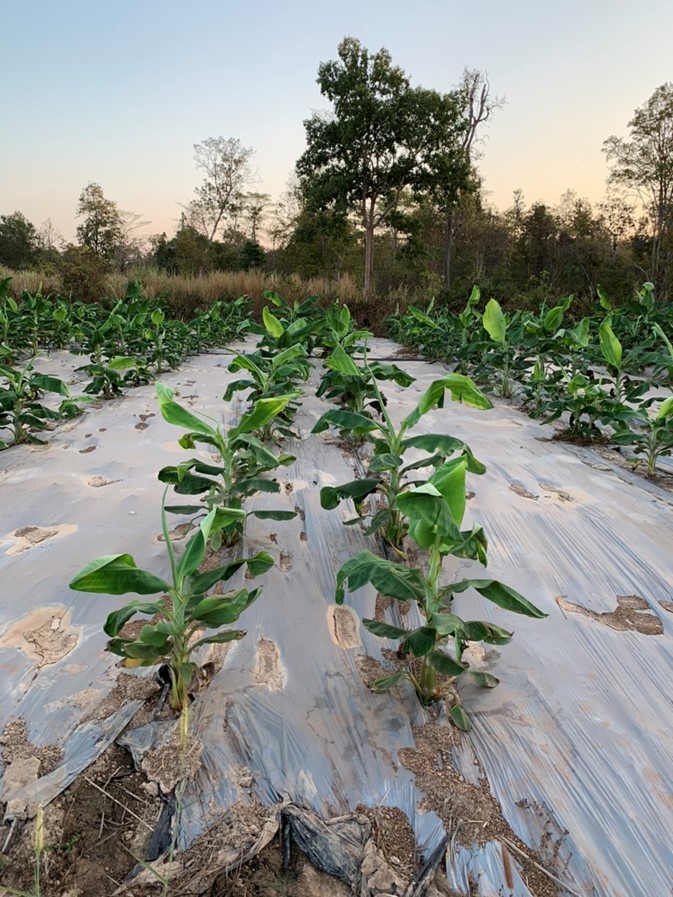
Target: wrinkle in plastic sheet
[(575, 742)]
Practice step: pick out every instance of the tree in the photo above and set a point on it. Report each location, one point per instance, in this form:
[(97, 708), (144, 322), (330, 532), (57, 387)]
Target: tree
[(19, 242), (644, 163), (375, 143), (226, 166), (254, 207), (477, 105), (102, 230)]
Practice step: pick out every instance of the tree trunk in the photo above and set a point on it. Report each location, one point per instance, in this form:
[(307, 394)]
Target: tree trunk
[(369, 260), (448, 246)]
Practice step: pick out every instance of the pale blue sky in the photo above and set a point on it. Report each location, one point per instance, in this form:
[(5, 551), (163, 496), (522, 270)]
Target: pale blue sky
[(118, 92)]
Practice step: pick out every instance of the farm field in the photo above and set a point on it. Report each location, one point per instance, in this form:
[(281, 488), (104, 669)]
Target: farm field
[(561, 785)]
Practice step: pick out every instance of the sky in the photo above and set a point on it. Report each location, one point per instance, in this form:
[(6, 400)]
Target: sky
[(119, 91)]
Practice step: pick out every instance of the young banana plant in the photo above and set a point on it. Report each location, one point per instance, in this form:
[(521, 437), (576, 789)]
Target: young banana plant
[(434, 650), (183, 612), (238, 472), (387, 469)]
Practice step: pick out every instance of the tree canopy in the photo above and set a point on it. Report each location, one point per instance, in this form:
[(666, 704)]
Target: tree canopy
[(381, 137)]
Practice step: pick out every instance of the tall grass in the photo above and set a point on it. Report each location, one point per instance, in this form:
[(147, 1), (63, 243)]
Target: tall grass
[(187, 293)]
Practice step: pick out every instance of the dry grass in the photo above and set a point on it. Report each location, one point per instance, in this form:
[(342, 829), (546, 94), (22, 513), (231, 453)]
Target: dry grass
[(186, 294)]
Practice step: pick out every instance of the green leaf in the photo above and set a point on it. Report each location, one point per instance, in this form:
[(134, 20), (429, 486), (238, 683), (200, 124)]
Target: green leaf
[(462, 389), (434, 442), (426, 504), (603, 299), (485, 680), (385, 630), (390, 681), (122, 363), (272, 324), (552, 320), (117, 574), (117, 619), (220, 610), (665, 409), (274, 515), (345, 420), (446, 665), (229, 635), (421, 641), (446, 624), (611, 348), (459, 718), (179, 416), (256, 484), (330, 496), (340, 361), (185, 509), (195, 550), (422, 317), (449, 480), (152, 635), (384, 461), (495, 323), (481, 631), (49, 384), (389, 578), (263, 411), (499, 594)]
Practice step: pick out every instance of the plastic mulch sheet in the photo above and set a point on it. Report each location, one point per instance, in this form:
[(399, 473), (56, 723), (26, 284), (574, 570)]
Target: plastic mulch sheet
[(575, 742)]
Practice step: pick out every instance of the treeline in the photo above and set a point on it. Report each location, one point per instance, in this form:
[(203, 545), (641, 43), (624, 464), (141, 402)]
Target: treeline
[(387, 194)]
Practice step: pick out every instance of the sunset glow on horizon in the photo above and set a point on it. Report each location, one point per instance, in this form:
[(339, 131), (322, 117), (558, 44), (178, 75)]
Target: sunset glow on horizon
[(119, 93)]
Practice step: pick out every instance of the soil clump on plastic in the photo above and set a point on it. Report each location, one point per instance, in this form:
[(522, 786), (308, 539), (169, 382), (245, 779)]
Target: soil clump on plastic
[(470, 812), (632, 613)]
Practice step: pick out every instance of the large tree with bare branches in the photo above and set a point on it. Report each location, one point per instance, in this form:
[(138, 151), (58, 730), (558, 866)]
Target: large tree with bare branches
[(643, 164)]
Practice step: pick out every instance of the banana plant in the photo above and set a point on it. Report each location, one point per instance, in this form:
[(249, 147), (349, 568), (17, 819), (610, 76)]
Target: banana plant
[(270, 376), (354, 386), (496, 324), (20, 408), (243, 460), (649, 435), (293, 325), (432, 653), (387, 470), (110, 377), (184, 611)]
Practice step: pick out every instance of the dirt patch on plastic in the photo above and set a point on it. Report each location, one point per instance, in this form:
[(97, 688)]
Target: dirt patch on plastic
[(15, 745), (561, 493), (470, 812), (344, 627), (269, 669), (522, 492), (632, 613), (667, 605), (127, 688), (370, 670), (44, 635), (168, 764), (177, 533), (394, 837), (285, 561), (28, 536), (383, 603), (99, 481)]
